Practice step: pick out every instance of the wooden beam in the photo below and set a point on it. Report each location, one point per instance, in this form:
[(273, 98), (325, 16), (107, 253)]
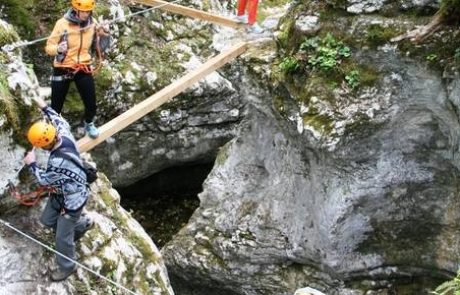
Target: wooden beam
[(149, 104), (195, 13)]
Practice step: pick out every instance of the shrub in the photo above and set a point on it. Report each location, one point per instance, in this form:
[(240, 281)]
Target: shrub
[(451, 287), (289, 64), (432, 57), (353, 78), (325, 54)]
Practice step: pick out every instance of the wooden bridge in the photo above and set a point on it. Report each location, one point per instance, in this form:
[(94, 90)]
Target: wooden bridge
[(151, 103), (194, 13)]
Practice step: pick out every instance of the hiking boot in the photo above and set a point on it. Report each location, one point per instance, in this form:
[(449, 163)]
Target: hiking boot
[(79, 234), (91, 130), (60, 275)]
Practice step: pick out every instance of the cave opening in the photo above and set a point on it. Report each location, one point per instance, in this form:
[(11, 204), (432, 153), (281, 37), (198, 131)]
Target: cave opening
[(163, 202)]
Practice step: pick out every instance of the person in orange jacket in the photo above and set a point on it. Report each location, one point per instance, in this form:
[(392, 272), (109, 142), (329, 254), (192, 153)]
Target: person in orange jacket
[(75, 36)]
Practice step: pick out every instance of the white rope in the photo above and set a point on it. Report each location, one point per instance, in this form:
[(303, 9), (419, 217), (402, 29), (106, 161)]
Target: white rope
[(62, 255), (23, 43)]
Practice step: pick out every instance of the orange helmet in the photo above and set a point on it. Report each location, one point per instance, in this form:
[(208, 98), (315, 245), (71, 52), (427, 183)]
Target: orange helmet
[(83, 5), (41, 134)]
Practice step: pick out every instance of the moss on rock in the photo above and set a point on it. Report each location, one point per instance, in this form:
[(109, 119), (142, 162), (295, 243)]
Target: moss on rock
[(14, 113), (138, 265), (442, 51), (17, 14)]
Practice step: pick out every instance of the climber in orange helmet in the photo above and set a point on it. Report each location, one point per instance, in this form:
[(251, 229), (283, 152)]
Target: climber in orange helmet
[(75, 38), (63, 173)]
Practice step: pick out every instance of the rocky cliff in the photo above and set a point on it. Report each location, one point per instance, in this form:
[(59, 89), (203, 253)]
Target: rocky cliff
[(335, 150)]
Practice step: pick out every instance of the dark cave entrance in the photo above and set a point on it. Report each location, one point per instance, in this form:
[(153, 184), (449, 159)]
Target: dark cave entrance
[(164, 202)]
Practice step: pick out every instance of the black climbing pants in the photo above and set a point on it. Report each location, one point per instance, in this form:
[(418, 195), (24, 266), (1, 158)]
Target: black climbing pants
[(60, 82)]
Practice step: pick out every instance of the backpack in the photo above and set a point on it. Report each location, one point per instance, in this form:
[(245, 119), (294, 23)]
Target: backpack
[(89, 169)]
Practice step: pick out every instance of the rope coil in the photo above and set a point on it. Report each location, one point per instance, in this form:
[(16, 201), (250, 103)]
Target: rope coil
[(30, 198)]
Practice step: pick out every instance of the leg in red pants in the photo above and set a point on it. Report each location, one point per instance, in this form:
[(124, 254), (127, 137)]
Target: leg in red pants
[(252, 9), (241, 7)]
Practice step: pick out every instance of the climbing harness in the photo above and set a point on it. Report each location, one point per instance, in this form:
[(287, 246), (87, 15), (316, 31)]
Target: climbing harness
[(30, 198), (7, 224), (24, 43), (65, 77), (71, 72), (87, 69)]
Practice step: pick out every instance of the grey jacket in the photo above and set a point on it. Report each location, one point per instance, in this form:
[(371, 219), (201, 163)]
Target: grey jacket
[(62, 174)]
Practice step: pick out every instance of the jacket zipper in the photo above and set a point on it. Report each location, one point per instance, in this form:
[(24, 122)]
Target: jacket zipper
[(79, 49)]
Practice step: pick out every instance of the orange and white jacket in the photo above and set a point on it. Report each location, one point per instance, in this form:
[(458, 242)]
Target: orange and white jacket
[(80, 38)]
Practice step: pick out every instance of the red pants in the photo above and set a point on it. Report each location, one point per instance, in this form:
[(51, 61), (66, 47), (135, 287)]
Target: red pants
[(251, 7)]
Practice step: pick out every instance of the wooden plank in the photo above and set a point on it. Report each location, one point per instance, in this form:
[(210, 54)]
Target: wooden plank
[(149, 104), (195, 13)]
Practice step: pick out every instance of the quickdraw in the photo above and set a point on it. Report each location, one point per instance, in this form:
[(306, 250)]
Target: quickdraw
[(30, 198)]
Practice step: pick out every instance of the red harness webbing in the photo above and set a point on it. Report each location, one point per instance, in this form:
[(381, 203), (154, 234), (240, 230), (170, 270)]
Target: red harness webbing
[(30, 198), (88, 69)]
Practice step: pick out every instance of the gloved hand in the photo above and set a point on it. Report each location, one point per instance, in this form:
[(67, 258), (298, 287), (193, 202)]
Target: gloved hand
[(62, 47), (30, 157)]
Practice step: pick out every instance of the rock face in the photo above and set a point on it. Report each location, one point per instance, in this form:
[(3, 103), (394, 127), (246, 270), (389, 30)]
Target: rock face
[(189, 131), (117, 248), (371, 6), (365, 205), (367, 208), (278, 212)]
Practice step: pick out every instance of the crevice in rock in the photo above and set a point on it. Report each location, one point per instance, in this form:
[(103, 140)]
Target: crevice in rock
[(187, 287), (164, 201)]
